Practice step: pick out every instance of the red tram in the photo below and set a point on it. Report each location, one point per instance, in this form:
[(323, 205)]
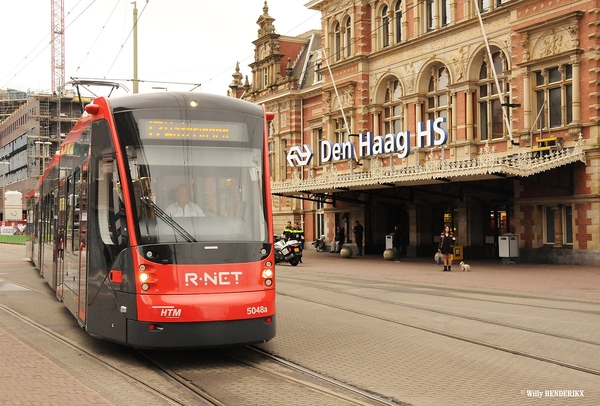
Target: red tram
[(130, 268)]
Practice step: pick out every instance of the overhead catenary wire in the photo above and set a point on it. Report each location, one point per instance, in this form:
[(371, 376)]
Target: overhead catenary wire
[(97, 37), (48, 43), (128, 35)]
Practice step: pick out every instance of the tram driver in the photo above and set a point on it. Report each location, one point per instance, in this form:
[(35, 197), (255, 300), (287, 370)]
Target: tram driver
[(183, 207)]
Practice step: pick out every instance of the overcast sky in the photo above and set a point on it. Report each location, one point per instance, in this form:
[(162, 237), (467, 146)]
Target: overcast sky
[(190, 41)]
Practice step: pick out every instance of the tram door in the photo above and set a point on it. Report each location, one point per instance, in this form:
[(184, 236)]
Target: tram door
[(82, 186), (60, 237)]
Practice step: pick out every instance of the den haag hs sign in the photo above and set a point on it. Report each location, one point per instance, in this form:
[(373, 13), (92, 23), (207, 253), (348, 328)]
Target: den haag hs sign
[(432, 135)]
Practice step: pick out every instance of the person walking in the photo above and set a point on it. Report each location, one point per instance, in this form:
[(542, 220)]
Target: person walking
[(358, 236), (397, 242), (336, 246), (446, 246)]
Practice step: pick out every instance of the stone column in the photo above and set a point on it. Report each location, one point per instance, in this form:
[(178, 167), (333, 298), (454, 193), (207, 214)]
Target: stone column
[(576, 90), (469, 114), (527, 99)]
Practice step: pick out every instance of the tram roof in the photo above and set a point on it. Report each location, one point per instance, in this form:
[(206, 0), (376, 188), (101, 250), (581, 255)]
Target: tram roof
[(182, 99)]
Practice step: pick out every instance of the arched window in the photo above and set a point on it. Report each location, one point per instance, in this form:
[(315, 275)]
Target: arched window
[(437, 97), (348, 37), (392, 108), (337, 42), (398, 23), (385, 27), (491, 119)]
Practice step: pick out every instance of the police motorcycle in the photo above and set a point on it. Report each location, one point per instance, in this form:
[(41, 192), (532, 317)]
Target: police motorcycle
[(319, 244), (287, 250)]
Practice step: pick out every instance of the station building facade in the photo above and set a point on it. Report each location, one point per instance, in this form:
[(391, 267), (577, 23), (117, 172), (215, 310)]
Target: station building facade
[(390, 114)]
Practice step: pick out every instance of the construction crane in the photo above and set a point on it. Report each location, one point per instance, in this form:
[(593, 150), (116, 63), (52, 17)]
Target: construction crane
[(58, 45)]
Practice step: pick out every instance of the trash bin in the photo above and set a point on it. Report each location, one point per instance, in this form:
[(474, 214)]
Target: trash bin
[(508, 248), (457, 253), (389, 241)]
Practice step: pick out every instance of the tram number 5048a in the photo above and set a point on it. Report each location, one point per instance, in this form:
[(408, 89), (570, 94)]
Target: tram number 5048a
[(257, 310)]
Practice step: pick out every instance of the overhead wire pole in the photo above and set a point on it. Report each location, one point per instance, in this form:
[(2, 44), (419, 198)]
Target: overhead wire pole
[(135, 63)]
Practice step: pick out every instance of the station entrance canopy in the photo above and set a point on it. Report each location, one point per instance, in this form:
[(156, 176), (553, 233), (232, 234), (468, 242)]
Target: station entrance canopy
[(435, 169)]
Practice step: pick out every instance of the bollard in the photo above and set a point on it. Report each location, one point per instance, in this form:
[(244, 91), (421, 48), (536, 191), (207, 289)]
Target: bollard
[(346, 252), (389, 254)]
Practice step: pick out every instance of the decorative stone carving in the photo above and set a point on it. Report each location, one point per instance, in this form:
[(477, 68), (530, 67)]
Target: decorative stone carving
[(550, 44), (459, 60), (409, 77), (525, 45), (347, 97)]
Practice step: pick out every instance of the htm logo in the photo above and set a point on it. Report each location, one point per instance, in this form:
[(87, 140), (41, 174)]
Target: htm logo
[(299, 156), (168, 311)]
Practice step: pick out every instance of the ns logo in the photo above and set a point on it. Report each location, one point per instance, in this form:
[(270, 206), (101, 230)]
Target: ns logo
[(299, 156)]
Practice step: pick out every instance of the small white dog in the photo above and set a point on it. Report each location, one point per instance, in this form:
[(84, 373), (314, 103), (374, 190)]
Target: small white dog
[(465, 267)]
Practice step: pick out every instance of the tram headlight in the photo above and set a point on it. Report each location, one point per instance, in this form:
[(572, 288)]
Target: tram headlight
[(267, 275), (147, 277)]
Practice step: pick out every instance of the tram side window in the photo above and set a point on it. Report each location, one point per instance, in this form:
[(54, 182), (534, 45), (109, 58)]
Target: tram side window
[(111, 210), (50, 208), (73, 194)]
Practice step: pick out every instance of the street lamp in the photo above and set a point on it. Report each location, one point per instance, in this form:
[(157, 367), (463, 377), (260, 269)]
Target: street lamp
[(4, 163)]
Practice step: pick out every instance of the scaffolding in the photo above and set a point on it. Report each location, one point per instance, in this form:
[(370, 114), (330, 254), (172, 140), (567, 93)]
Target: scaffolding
[(34, 120)]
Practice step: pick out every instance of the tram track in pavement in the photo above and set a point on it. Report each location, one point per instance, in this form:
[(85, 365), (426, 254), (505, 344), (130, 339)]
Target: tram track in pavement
[(250, 358), (332, 391), (455, 290), (81, 349), (317, 285), (253, 360), (462, 316), (289, 377)]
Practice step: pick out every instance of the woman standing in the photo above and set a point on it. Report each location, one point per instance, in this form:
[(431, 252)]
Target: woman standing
[(447, 240)]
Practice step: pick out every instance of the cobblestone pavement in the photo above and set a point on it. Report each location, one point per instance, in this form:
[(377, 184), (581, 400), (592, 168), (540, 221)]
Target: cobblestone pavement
[(34, 373), (427, 337), (557, 280)]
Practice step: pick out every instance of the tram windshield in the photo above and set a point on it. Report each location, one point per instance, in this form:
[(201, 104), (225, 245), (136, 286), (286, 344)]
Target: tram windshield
[(193, 185)]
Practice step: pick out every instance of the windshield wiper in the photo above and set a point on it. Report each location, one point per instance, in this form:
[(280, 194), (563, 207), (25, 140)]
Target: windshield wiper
[(167, 219)]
